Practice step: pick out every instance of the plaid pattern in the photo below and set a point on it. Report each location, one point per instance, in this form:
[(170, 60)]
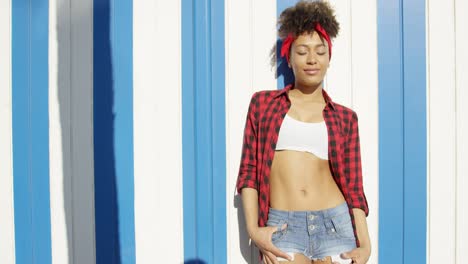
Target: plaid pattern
[(266, 112)]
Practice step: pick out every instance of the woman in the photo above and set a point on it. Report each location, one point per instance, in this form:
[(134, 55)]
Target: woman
[(300, 173)]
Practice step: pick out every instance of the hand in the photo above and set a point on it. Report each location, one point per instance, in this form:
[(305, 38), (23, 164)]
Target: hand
[(359, 255), (262, 238)]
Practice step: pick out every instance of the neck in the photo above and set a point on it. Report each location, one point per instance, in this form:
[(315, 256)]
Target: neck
[(313, 93)]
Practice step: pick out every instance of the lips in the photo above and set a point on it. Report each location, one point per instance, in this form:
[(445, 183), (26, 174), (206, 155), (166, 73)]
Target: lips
[(311, 71)]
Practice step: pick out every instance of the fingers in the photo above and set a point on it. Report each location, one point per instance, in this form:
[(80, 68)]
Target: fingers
[(355, 257), (271, 259), (276, 229), (284, 226), (277, 252)]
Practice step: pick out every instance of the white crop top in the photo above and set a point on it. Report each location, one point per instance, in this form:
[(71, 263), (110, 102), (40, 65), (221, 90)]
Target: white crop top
[(303, 136)]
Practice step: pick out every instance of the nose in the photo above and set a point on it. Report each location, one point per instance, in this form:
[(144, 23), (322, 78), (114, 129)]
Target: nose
[(311, 59)]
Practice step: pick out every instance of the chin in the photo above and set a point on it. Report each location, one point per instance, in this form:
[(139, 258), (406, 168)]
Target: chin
[(310, 83)]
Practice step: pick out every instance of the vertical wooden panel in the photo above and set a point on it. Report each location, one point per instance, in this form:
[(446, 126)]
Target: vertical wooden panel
[(442, 132), (391, 137), (71, 131), (364, 100), (262, 30), (82, 213), (239, 87), (158, 131), (339, 78), (203, 117), (402, 104), (113, 131), (60, 166), (30, 85), (461, 94), (7, 239), (415, 179)]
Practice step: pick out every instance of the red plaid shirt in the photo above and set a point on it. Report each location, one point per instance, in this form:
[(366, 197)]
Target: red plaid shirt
[(265, 115)]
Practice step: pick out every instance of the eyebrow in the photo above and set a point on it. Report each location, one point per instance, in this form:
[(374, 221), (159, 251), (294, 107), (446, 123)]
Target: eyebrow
[(316, 46)]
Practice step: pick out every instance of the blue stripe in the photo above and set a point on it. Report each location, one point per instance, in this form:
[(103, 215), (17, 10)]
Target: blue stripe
[(203, 117), (414, 78), (113, 131), (402, 131), (30, 90), (391, 137)]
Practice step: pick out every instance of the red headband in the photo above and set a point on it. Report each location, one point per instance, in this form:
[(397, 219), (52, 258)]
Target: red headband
[(289, 40)]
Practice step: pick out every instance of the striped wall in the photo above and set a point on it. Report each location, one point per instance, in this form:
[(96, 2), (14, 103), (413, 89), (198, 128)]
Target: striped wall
[(447, 131), (121, 126)]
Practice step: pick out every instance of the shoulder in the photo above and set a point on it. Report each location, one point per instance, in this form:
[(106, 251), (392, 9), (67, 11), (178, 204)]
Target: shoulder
[(263, 96), (345, 112)]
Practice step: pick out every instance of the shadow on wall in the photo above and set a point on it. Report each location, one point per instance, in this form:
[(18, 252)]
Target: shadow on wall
[(194, 261), (87, 127), (108, 248), (283, 71), (75, 97)]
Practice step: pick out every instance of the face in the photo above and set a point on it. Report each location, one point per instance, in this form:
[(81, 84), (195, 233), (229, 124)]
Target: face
[(309, 59)]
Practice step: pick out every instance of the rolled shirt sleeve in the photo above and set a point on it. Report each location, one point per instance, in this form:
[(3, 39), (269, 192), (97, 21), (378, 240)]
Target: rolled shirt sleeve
[(353, 168), (247, 176)]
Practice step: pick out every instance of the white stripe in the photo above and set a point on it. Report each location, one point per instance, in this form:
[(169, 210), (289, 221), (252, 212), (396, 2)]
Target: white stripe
[(339, 78), (158, 131), (442, 140), (461, 38), (7, 236), (365, 98), (59, 240), (250, 31), (70, 131)]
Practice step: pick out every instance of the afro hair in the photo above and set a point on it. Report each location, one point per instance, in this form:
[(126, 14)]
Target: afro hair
[(302, 18)]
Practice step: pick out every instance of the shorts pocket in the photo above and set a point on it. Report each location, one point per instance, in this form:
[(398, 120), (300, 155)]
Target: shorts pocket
[(278, 234), (342, 226)]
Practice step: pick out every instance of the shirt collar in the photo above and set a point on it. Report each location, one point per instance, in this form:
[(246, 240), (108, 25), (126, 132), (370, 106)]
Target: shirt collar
[(327, 98)]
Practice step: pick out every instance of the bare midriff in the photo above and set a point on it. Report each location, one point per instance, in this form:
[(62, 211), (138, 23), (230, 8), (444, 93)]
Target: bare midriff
[(301, 181)]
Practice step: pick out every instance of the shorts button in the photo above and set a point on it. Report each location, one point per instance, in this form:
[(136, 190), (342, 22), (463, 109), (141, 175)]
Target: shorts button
[(311, 217), (311, 227)]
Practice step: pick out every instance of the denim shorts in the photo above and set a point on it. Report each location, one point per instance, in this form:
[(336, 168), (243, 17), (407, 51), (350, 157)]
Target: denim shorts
[(315, 234)]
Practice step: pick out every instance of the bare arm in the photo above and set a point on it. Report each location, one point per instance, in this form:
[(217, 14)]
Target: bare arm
[(361, 229), (250, 205)]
